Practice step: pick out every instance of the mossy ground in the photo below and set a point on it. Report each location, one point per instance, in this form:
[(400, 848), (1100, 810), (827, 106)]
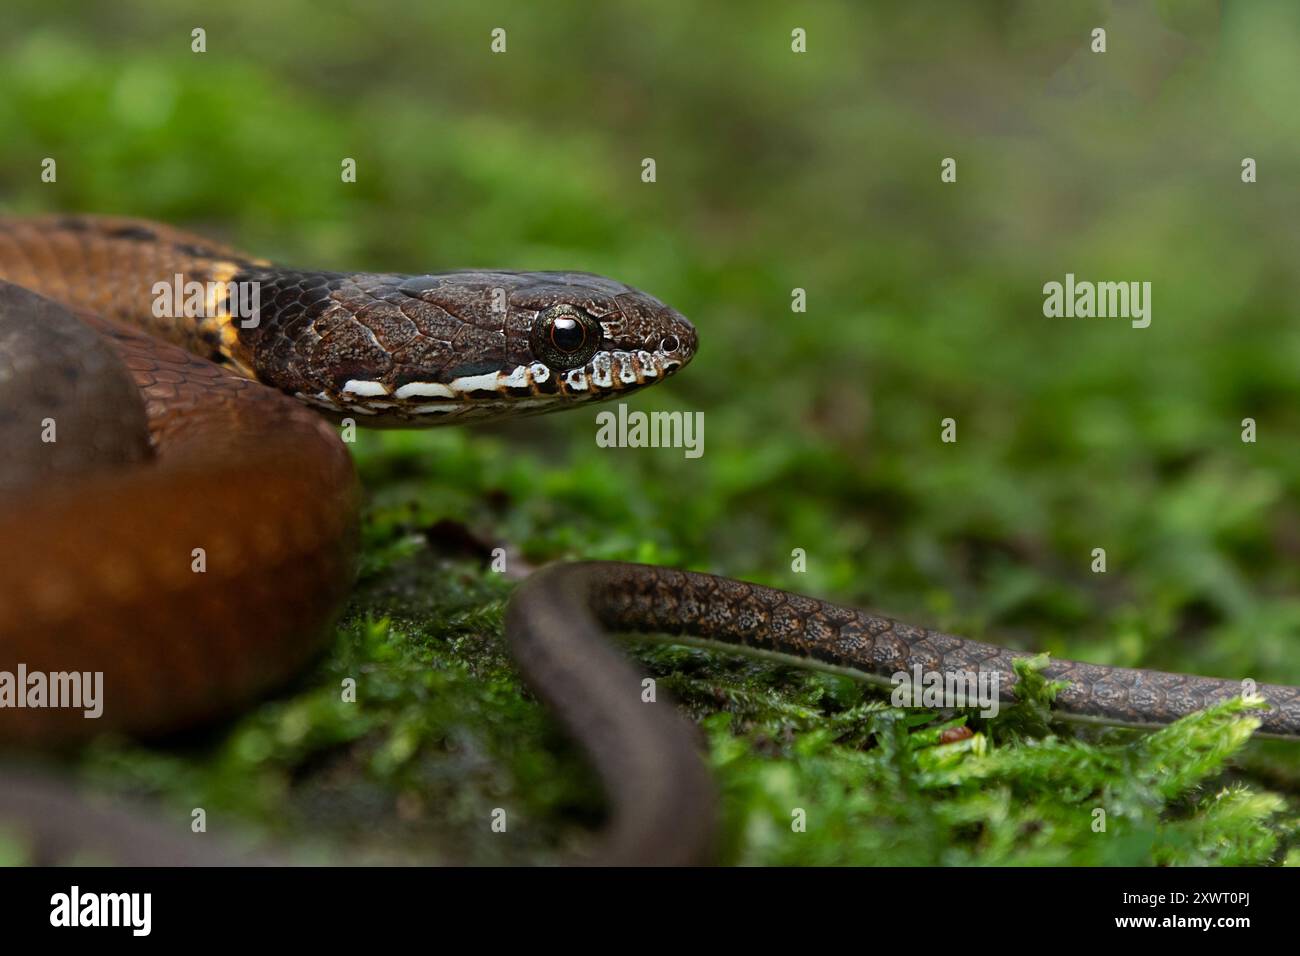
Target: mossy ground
[(775, 171), (443, 733)]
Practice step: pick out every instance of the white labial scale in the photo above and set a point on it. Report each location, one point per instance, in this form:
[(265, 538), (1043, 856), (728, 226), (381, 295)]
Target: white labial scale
[(516, 378), (626, 370), (363, 389), (424, 390), (488, 381), (600, 370)]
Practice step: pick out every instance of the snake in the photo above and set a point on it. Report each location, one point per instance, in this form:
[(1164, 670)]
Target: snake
[(181, 515)]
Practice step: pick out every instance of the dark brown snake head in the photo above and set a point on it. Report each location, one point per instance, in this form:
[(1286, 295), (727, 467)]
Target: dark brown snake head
[(416, 350)]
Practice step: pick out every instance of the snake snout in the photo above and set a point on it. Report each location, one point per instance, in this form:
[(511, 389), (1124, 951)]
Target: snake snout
[(679, 340), (657, 329)]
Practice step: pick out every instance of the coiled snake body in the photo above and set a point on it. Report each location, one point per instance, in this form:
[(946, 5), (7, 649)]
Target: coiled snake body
[(185, 430)]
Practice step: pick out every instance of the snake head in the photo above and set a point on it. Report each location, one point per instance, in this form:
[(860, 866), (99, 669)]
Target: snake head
[(413, 350)]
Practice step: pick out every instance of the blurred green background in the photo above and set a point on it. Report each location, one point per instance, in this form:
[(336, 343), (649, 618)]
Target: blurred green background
[(775, 170)]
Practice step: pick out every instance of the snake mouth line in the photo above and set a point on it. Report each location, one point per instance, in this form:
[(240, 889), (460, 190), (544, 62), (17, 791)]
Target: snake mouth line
[(521, 390)]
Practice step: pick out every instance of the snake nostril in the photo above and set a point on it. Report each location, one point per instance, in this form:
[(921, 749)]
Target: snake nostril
[(669, 344)]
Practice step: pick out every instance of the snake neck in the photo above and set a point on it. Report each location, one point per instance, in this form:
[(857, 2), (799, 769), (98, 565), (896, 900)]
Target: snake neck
[(170, 284)]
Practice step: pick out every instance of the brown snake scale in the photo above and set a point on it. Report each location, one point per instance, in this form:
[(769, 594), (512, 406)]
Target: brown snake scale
[(166, 445)]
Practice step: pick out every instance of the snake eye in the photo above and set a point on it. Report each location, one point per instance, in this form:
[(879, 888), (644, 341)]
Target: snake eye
[(567, 334), (564, 337)]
